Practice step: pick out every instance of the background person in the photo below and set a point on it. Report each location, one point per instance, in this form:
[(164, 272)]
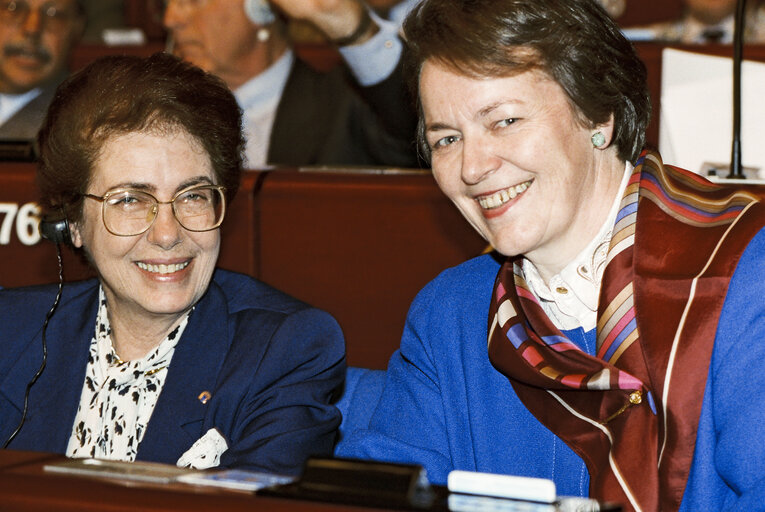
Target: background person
[(707, 21), (36, 40), (295, 115), (162, 357), (622, 311)]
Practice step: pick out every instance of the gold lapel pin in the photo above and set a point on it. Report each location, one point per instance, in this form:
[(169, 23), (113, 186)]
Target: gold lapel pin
[(204, 396)]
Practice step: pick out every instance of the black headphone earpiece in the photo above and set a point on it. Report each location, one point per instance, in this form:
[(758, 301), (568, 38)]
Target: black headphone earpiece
[(259, 12), (56, 230)]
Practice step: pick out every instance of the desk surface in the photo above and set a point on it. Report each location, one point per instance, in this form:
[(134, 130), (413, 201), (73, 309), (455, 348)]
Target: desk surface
[(25, 486)]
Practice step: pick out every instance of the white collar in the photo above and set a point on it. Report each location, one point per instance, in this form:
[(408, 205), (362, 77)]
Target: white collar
[(571, 299), (12, 103), (399, 11), (265, 89)]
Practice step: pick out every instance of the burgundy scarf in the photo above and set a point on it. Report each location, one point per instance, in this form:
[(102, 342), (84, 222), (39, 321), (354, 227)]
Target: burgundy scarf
[(632, 411)]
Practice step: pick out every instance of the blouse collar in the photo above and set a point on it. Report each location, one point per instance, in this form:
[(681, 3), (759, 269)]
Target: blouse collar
[(571, 299)]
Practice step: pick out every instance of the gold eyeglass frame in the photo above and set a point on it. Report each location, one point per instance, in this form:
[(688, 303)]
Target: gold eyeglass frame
[(102, 199)]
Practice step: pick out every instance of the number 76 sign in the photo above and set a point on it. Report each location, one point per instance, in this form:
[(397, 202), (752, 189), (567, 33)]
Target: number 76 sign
[(21, 220)]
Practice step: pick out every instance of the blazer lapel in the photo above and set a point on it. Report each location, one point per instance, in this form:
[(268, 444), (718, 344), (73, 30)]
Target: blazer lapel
[(179, 414)]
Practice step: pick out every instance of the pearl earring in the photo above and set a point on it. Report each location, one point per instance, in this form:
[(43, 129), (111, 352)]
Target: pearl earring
[(263, 35), (598, 139)]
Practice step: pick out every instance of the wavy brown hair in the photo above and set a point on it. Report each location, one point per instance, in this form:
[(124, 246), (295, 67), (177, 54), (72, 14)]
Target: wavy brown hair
[(573, 41), (118, 95)]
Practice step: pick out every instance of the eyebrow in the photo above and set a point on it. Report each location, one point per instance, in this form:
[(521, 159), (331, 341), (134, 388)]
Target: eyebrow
[(146, 187), (488, 109), (485, 111), (434, 127)]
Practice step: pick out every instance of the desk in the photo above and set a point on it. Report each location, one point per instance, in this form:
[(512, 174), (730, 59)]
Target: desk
[(24, 486)]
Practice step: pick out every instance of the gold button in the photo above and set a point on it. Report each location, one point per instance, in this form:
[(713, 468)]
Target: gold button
[(561, 290), (636, 397)]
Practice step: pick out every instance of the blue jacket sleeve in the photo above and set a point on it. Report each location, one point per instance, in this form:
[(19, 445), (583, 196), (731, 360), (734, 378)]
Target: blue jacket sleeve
[(728, 472), (289, 416), (408, 424)]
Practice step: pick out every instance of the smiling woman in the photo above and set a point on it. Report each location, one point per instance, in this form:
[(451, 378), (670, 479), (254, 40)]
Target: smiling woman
[(162, 357), (526, 162), (620, 288)]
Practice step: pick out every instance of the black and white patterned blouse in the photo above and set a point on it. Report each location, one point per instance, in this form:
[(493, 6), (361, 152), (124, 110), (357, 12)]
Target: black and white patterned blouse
[(118, 397)]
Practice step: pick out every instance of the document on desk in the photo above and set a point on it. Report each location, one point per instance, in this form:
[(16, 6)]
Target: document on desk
[(696, 118), (157, 473), (237, 479), (153, 472)]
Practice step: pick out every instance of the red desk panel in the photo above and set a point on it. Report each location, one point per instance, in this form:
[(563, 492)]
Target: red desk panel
[(359, 245)]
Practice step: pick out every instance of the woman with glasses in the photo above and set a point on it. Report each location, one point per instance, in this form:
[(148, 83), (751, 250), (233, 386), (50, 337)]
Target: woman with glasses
[(162, 357)]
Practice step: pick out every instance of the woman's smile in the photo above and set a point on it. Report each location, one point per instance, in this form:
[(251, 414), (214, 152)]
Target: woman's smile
[(496, 199)]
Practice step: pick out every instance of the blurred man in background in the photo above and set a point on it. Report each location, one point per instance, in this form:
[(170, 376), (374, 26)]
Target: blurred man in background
[(36, 40), (293, 114)]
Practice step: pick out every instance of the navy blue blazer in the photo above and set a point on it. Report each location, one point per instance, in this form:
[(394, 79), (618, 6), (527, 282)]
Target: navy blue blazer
[(270, 363)]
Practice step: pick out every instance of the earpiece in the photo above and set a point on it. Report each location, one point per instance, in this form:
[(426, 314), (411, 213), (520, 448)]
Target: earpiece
[(259, 12), (56, 230)]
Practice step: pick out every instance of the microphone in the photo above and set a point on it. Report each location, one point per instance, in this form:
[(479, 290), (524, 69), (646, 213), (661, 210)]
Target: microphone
[(736, 169)]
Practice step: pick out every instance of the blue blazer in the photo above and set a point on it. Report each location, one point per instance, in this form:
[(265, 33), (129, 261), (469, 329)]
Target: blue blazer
[(270, 363)]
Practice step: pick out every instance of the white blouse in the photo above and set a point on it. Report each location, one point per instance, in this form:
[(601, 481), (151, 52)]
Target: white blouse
[(118, 397)]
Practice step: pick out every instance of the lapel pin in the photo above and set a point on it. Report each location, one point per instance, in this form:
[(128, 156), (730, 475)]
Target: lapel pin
[(204, 396)]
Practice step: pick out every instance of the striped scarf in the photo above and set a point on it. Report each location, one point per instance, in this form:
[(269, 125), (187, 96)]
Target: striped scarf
[(628, 411)]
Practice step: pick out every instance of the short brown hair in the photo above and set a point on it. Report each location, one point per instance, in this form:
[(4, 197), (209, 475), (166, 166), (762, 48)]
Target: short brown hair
[(122, 94), (573, 41)]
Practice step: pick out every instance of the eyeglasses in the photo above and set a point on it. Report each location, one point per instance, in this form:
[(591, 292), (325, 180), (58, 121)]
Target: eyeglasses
[(16, 12), (129, 212)]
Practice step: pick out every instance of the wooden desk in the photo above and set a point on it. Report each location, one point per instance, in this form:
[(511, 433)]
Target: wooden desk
[(25, 487)]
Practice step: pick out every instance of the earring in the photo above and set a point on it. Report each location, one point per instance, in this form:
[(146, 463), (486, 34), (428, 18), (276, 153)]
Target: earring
[(263, 35), (598, 139)]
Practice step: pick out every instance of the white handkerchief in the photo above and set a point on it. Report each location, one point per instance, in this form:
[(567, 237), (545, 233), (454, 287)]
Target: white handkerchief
[(205, 452)]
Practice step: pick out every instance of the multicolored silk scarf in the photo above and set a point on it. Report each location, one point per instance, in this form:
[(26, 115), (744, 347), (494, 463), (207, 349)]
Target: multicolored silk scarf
[(631, 411)]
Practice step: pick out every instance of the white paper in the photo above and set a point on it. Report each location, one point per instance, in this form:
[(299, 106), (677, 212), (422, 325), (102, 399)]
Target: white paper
[(696, 118)]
